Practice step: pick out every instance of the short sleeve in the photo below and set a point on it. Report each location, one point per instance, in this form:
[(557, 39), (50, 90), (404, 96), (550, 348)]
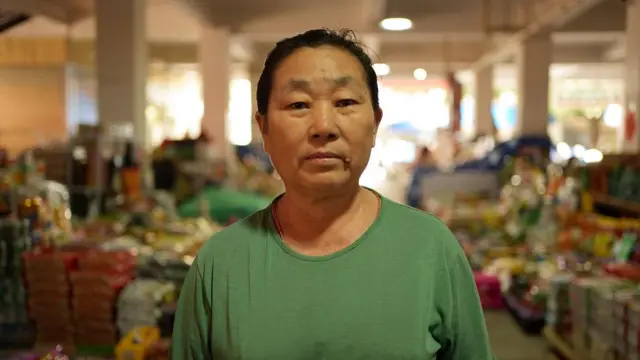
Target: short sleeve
[(192, 328), (466, 331)]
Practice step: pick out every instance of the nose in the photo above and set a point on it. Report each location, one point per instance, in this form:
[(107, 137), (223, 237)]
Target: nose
[(323, 125)]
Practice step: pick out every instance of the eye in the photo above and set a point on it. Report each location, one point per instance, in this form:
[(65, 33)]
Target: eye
[(345, 102), (298, 106)]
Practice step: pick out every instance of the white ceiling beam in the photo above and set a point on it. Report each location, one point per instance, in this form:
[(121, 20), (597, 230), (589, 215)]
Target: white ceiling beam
[(241, 49), (549, 15), (45, 8), (373, 11), (617, 51), (199, 9)]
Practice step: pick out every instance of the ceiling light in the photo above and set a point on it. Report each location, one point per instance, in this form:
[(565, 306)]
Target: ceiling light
[(420, 74), (396, 24), (381, 69)]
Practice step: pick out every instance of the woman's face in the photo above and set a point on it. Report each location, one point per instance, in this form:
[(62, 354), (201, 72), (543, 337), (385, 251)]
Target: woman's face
[(320, 126)]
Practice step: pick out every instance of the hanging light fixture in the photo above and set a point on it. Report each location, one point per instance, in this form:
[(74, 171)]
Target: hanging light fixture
[(396, 24)]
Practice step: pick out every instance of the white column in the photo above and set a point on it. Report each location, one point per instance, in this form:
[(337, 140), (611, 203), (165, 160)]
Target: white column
[(628, 139), (121, 61), (256, 137), (240, 115), (533, 60), (483, 95), (215, 63)]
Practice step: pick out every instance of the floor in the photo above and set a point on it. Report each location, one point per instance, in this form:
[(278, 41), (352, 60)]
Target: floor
[(509, 343)]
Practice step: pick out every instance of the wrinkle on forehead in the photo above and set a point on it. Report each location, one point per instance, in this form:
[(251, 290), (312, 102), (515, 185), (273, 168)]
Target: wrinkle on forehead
[(306, 85), (325, 66)]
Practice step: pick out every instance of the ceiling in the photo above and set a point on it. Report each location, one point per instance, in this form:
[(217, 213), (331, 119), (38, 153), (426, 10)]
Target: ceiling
[(447, 34)]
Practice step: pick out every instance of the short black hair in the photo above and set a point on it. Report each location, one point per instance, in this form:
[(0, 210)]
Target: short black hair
[(345, 39)]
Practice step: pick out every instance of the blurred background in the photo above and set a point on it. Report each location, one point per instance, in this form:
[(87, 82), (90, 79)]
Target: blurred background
[(127, 139)]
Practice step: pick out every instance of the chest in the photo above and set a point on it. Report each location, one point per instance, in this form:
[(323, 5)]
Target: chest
[(315, 311)]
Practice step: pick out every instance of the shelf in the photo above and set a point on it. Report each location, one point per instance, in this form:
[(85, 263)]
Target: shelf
[(559, 344), (625, 205)]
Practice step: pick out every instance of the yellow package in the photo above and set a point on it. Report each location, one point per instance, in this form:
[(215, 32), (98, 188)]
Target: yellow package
[(602, 244), (137, 343)]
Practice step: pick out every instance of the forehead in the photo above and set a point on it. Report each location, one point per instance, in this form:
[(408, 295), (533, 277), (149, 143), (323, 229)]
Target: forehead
[(324, 62)]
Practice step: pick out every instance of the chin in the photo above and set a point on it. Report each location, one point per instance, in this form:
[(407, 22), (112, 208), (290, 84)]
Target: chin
[(325, 181)]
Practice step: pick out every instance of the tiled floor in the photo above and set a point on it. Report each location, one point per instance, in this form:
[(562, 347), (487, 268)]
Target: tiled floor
[(509, 343)]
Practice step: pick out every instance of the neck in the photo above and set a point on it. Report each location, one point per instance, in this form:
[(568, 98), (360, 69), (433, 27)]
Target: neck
[(307, 217)]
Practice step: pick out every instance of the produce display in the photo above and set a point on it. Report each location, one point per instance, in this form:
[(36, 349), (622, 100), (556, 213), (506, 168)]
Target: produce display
[(82, 286), (561, 245)]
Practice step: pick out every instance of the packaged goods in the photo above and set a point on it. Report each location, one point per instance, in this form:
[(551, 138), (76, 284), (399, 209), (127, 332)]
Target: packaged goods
[(14, 241), (489, 290), (140, 303), (138, 343), (558, 314), (47, 275), (15, 327), (96, 286)]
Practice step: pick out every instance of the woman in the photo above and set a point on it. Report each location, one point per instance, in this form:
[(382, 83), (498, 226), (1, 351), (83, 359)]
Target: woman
[(330, 270)]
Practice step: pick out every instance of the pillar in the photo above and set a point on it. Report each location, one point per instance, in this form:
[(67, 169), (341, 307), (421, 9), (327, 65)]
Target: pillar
[(240, 116), (628, 139), (483, 94), (121, 68), (256, 136), (533, 60), (215, 63)]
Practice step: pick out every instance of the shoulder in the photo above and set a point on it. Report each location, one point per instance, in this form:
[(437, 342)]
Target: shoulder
[(226, 243), (425, 232)]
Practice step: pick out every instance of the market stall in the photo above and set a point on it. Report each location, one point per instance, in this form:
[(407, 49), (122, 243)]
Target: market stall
[(84, 287)]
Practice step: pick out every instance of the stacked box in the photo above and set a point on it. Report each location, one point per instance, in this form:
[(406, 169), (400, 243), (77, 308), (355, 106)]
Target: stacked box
[(15, 327), (603, 324), (142, 302), (633, 328), (96, 285), (558, 313), (621, 321), (592, 311), (48, 287)]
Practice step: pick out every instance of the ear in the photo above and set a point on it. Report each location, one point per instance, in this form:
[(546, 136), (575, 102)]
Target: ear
[(262, 124), (377, 118)]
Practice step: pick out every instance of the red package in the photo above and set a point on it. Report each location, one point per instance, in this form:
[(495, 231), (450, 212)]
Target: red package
[(50, 315), (99, 284), (91, 307), (54, 260), (106, 260), (44, 289), (51, 278)]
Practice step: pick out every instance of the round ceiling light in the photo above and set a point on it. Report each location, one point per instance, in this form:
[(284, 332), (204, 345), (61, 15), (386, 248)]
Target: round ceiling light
[(420, 74), (396, 24), (381, 69)]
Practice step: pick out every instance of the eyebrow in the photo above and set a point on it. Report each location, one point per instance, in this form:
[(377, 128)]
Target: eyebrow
[(305, 85)]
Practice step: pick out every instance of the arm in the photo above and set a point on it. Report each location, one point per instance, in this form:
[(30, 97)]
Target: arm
[(192, 327), (467, 337)]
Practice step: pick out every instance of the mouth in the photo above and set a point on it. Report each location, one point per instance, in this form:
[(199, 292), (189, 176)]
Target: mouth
[(323, 156)]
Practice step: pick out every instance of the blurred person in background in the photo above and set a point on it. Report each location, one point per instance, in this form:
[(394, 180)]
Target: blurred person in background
[(330, 270)]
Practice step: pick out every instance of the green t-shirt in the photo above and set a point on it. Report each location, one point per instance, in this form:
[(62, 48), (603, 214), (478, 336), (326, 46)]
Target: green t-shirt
[(403, 290)]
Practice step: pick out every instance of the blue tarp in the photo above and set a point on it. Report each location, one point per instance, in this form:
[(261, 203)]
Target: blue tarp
[(493, 162)]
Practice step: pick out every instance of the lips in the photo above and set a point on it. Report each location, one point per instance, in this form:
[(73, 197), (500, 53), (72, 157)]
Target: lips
[(323, 155)]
